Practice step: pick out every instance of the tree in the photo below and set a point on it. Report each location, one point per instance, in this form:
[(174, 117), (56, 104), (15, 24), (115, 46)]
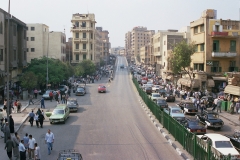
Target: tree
[(180, 59), (29, 80), (79, 70), (88, 66)]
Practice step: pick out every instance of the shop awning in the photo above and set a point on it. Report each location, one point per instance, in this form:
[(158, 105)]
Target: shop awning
[(187, 82), (219, 78), (210, 83), (234, 90), (169, 77)]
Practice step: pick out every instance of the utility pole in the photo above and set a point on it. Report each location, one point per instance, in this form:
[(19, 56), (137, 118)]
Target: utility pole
[(8, 41)]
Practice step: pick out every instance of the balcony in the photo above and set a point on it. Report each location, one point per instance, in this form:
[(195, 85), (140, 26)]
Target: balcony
[(224, 54), (225, 34), (83, 50), (76, 50), (84, 40), (76, 39), (78, 29)]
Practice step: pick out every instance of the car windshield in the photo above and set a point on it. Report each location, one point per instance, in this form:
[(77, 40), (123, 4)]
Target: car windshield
[(193, 123), (213, 116), (176, 111), (80, 89), (161, 101), (188, 105), (71, 102), (57, 111), (156, 95), (223, 144)]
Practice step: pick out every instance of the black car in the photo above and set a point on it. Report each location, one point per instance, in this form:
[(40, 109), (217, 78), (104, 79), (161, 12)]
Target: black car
[(194, 126), (169, 97), (148, 90), (188, 107), (162, 103), (209, 99), (80, 91), (210, 119), (72, 104), (162, 92)]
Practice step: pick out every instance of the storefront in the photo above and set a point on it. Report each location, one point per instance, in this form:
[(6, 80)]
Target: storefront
[(233, 90), (188, 83), (220, 84)]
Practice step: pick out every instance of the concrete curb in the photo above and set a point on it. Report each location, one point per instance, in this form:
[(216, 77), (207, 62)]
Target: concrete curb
[(152, 118), (25, 118)]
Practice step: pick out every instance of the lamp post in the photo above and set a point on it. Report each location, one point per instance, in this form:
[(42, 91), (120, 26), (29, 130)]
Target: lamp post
[(8, 26), (47, 60)]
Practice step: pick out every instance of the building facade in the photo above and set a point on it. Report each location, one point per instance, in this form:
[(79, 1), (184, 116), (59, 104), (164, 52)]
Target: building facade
[(69, 50), (105, 44)]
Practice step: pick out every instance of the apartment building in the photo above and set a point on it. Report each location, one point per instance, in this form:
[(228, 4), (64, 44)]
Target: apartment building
[(17, 49), (41, 42), (217, 43), (145, 52), (105, 44), (69, 50), (84, 38), (128, 43)]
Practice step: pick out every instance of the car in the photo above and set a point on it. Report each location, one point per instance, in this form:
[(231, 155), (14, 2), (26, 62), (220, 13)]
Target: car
[(162, 92), (175, 112), (188, 107), (155, 88), (121, 66), (169, 97), (80, 91), (194, 127), (155, 96), (102, 89), (148, 90), (210, 119), (59, 114), (62, 88), (143, 81), (162, 103), (46, 94), (209, 99), (150, 83), (72, 104), (220, 143)]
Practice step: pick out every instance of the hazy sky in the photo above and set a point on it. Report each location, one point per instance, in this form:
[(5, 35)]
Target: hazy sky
[(120, 16)]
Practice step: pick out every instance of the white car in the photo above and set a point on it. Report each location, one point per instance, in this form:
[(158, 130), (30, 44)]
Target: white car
[(155, 96), (155, 88), (150, 83), (221, 144)]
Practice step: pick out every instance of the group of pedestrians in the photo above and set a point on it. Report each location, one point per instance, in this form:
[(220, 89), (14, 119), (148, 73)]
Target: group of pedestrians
[(27, 146), (38, 117)]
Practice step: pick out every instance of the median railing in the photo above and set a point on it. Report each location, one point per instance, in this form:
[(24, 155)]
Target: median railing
[(190, 142)]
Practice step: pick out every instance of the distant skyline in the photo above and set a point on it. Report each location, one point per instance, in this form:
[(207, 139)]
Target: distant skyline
[(120, 16)]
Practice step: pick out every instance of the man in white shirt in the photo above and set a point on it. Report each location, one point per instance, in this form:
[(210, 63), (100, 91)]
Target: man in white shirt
[(31, 143), (22, 150), (37, 152), (49, 140)]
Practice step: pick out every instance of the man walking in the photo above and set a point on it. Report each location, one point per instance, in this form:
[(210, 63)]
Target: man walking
[(25, 142), (9, 147), (49, 140), (219, 102), (31, 118), (22, 150), (37, 152), (50, 96), (30, 99), (42, 103), (31, 143)]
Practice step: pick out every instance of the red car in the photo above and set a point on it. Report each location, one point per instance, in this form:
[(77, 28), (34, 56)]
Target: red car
[(102, 88)]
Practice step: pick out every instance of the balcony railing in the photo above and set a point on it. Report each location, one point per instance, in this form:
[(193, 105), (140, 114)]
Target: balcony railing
[(83, 50), (81, 28), (76, 39), (84, 39), (219, 33), (224, 54)]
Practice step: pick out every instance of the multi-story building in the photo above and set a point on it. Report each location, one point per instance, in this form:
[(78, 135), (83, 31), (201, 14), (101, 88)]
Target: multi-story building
[(83, 34), (115, 50), (41, 42), (122, 52), (128, 43), (17, 49), (69, 50), (218, 44), (145, 52), (105, 44)]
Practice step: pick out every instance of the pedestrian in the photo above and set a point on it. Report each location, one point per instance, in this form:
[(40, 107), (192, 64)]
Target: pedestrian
[(39, 111), (214, 104), (35, 93), (9, 147), (11, 124), (19, 105), (31, 118), (237, 106), (201, 106), (40, 119), (31, 143), (49, 140), (50, 96), (5, 105), (16, 141), (2, 127), (15, 106), (22, 150), (30, 99), (232, 107), (219, 102), (6, 131), (63, 98), (25, 142), (56, 96), (37, 152), (42, 103), (36, 119)]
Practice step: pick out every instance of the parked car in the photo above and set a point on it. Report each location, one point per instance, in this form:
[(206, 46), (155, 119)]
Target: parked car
[(175, 112), (162, 92), (210, 119), (194, 126), (155, 96), (80, 91), (162, 103), (62, 88), (72, 104), (59, 114), (155, 88), (220, 143), (148, 90), (169, 97), (209, 99), (46, 94), (235, 139), (102, 89), (188, 107)]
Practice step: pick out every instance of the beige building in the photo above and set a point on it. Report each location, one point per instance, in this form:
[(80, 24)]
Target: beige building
[(84, 37), (121, 52), (145, 52), (41, 42), (128, 43), (105, 44)]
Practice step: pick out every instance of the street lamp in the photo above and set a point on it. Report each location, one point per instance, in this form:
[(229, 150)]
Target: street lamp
[(47, 59), (8, 106)]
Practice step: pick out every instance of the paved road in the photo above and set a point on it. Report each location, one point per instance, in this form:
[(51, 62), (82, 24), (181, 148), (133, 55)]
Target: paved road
[(107, 126)]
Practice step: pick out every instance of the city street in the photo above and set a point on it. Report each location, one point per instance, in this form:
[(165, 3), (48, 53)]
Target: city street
[(108, 125)]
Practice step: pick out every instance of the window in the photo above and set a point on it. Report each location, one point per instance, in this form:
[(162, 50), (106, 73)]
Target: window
[(84, 46), (14, 55), (91, 24), (216, 67), (202, 47), (215, 45), (27, 38), (1, 54), (84, 35), (195, 30), (77, 35), (77, 57), (83, 24), (232, 46), (32, 28), (91, 36), (1, 28), (91, 46), (91, 56), (232, 66), (27, 49), (77, 46), (202, 28), (76, 24), (32, 38), (198, 66), (84, 56), (32, 49), (14, 30)]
